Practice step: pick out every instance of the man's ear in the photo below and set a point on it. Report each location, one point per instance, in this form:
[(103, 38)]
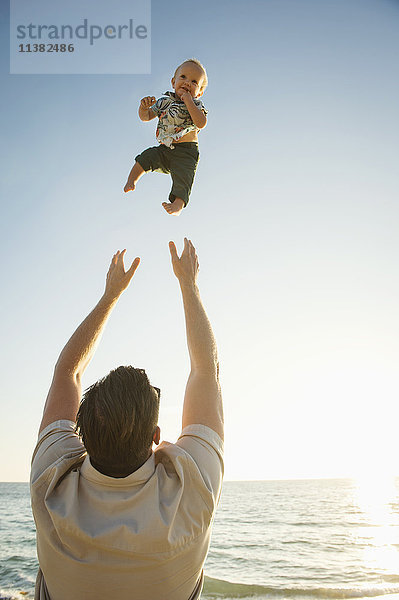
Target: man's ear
[(157, 435), (172, 81)]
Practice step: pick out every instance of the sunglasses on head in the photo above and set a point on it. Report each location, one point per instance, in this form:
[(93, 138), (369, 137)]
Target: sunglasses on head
[(158, 391)]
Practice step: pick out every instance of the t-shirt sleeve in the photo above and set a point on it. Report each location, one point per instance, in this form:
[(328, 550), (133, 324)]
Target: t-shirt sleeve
[(159, 105), (202, 107), (206, 449), (57, 442)]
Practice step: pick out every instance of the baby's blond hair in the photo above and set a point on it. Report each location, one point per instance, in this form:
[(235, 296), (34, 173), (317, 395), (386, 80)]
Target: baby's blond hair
[(200, 65)]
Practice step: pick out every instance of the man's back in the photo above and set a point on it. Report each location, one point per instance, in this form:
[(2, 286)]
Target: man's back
[(141, 536)]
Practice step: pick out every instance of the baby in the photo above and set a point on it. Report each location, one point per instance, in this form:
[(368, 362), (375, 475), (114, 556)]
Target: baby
[(180, 116)]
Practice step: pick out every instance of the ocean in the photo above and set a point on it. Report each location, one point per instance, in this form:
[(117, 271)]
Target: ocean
[(302, 539)]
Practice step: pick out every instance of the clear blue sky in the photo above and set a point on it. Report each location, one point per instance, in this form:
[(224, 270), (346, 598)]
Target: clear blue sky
[(294, 214)]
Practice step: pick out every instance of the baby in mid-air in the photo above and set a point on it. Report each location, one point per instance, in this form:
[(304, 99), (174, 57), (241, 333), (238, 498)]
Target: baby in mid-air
[(180, 116)]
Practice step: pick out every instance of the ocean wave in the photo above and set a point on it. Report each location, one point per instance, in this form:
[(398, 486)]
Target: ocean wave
[(218, 588), (392, 578), (215, 589), (15, 595)]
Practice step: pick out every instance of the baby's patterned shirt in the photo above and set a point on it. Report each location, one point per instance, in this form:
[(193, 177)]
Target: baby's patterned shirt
[(174, 119)]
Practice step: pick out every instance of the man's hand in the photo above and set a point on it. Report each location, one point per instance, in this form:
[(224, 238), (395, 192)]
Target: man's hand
[(186, 267), (117, 278), (147, 102)]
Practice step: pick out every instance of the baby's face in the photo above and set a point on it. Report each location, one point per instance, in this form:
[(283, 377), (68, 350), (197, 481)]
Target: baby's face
[(190, 78)]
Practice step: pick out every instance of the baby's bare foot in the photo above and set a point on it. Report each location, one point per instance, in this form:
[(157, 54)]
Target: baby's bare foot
[(129, 187), (175, 207)]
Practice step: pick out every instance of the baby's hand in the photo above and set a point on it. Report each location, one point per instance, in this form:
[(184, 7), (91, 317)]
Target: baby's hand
[(184, 95), (147, 102)]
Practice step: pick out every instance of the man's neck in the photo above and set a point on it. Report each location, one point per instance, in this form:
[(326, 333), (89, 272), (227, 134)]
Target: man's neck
[(117, 473)]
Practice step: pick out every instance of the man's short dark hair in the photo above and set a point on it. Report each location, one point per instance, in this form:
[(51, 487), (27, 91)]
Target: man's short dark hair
[(117, 420)]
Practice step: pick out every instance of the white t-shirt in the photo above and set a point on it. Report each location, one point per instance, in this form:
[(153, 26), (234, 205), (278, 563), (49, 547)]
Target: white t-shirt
[(141, 537)]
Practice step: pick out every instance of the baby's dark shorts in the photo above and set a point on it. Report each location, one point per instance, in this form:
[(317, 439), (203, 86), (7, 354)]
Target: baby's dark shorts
[(181, 162)]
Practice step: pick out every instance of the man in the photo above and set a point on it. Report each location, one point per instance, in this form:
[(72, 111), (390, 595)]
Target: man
[(115, 519)]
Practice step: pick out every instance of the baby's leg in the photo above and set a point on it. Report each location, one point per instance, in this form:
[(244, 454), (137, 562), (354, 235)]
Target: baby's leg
[(134, 175), (184, 160)]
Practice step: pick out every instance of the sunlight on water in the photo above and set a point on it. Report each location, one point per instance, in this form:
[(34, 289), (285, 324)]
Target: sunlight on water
[(378, 499)]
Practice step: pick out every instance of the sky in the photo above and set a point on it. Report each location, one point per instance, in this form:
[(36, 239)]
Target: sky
[(294, 214)]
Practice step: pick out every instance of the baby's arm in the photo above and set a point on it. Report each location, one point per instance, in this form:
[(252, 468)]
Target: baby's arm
[(197, 115), (145, 112)]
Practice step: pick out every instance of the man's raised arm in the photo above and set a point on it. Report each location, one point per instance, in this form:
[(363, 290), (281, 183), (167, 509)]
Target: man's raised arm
[(203, 398), (64, 395)]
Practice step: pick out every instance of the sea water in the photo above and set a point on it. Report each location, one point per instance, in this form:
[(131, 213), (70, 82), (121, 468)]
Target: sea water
[(305, 539)]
